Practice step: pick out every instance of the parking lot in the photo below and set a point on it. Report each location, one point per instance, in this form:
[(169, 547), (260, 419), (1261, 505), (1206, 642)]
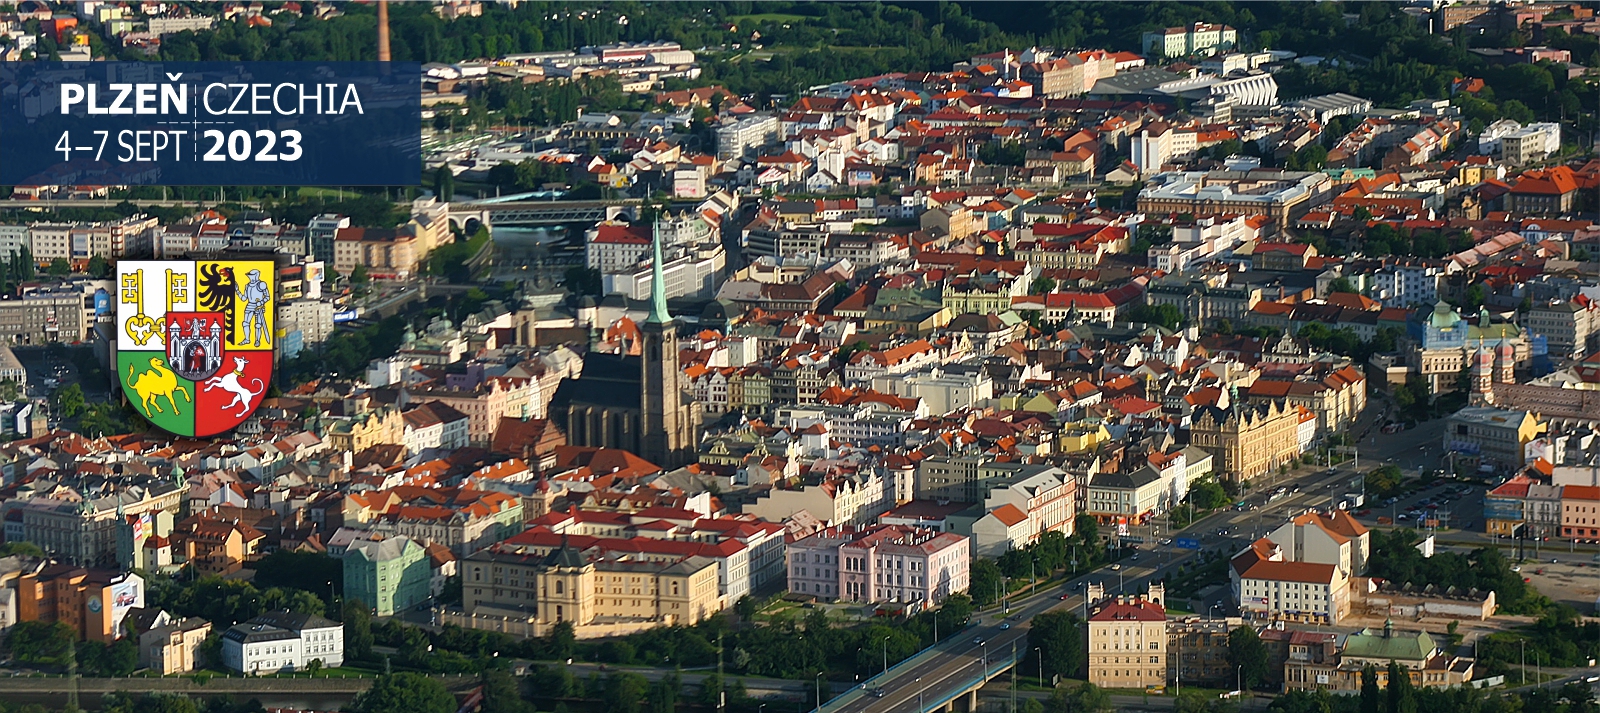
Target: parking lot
[(1455, 505)]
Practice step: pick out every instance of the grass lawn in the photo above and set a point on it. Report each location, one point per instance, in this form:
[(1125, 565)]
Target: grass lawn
[(327, 193), (768, 17), (779, 607), (1132, 692), (347, 672)]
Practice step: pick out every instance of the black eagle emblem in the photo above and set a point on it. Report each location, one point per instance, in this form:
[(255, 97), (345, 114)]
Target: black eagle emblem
[(217, 290)]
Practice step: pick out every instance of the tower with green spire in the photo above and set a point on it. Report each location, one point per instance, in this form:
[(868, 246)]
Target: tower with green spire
[(658, 283), (667, 431)]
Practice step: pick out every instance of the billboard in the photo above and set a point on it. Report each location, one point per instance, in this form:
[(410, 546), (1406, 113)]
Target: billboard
[(143, 528), (313, 277), (125, 595)]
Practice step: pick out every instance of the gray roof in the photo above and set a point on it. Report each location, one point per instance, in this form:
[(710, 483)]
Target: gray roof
[(1138, 478), (296, 622), (565, 556), (381, 550), (248, 633)]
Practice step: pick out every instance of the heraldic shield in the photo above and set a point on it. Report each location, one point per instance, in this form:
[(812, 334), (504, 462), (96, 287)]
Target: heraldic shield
[(195, 340)]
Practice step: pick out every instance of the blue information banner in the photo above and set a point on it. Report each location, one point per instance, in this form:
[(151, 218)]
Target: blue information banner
[(210, 123), (1186, 543)]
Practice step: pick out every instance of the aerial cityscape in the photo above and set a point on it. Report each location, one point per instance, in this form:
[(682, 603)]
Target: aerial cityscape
[(844, 357)]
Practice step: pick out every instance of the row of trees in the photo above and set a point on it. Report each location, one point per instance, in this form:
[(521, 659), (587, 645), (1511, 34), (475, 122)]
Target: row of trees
[(1559, 637), (787, 648), (226, 602), (1400, 696), (834, 41), (988, 578), (1396, 559), (55, 644), (1383, 239)]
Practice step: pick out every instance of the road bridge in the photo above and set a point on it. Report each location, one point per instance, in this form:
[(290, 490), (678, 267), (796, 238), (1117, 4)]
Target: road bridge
[(534, 213), (954, 670)]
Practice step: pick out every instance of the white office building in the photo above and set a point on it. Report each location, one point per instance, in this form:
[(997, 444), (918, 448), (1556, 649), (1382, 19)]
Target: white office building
[(278, 642)]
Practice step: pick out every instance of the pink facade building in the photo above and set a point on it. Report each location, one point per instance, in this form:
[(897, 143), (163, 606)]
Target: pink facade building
[(882, 563)]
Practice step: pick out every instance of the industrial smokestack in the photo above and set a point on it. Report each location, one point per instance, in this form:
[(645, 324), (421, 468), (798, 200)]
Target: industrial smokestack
[(383, 30)]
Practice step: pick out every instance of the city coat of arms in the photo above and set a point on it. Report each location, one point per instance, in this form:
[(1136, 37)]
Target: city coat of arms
[(195, 340)]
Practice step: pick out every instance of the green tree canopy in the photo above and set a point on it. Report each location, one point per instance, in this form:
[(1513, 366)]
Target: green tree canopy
[(39, 642), (1248, 656), (405, 693), (1056, 638)]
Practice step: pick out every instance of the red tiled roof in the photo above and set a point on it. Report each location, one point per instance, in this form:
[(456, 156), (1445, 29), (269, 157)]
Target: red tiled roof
[(1138, 610)]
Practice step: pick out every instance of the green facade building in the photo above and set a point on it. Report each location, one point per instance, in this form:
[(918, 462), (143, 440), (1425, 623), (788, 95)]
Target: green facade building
[(388, 575)]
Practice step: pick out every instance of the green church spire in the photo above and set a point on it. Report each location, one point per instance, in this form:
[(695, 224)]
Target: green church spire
[(658, 284)]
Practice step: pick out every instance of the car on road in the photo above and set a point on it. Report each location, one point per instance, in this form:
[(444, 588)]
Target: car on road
[(1005, 626), (1116, 567), (1516, 568), (1554, 561), (978, 641), (878, 692), (1062, 597), (1165, 541), (1134, 557)]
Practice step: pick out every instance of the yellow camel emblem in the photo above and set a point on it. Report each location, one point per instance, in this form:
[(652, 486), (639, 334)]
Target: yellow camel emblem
[(159, 381)]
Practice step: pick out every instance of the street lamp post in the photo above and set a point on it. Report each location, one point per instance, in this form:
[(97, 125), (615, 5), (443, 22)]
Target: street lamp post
[(920, 689), (1209, 613), (1040, 652), (819, 690), (886, 656)]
